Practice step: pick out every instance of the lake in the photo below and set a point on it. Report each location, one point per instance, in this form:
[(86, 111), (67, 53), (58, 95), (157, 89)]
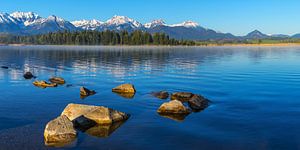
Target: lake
[(254, 93)]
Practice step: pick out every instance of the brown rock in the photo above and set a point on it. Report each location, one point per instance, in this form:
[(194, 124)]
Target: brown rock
[(57, 80), (59, 131), (84, 92), (198, 102), (182, 96), (161, 94), (99, 114), (124, 88), (44, 84), (173, 107)]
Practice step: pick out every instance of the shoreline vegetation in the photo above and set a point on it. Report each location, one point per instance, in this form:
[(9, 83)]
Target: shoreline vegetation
[(135, 38)]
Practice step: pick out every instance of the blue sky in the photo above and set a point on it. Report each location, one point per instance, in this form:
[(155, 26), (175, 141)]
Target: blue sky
[(235, 16)]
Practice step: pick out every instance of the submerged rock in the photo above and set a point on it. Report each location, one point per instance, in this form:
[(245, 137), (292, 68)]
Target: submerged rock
[(173, 107), (182, 96), (28, 75), (126, 95), (44, 84), (84, 92), (98, 114), (198, 102), (176, 117), (4, 67), (124, 88), (59, 131), (161, 94), (103, 131), (57, 80)]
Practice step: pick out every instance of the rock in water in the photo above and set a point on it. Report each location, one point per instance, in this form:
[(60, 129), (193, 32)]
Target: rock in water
[(57, 80), (198, 102), (4, 67), (182, 96), (99, 114), (58, 131), (173, 107), (124, 88), (28, 75), (161, 94), (44, 84), (84, 92)]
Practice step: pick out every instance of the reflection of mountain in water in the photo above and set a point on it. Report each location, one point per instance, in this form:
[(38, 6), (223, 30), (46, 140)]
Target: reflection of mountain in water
[(119, 62)]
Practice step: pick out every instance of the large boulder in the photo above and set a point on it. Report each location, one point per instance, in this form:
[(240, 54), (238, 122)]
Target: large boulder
[(28, 75), (182, 96), (173, 107), (57, 80), (198, 102), (44, 84), (124, 88), (84, 92), (98, 114), (59, 131), (161, 94)]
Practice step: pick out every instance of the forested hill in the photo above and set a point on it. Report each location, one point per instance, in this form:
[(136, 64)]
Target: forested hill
[(96, 38)]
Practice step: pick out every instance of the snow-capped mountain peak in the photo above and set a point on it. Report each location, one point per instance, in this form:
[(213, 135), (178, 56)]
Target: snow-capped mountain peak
[(25, 16), (187, 24), (120, 20), (87, 24), (155, 23)]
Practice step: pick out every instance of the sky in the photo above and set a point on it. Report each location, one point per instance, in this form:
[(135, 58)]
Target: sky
[(234, 16)]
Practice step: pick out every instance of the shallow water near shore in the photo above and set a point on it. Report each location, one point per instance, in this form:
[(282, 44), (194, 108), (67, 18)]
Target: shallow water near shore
[(255, 94)]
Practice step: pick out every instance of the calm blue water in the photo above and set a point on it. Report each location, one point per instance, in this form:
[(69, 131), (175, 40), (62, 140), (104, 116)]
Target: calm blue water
[(255, 94)]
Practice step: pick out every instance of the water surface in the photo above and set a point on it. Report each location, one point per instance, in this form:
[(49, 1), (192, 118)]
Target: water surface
[(255, 94)]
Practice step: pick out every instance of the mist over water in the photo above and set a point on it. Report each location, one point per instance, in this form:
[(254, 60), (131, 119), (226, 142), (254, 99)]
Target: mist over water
[(254, 93)]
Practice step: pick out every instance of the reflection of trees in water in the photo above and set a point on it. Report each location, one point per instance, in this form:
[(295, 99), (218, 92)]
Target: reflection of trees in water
[(116, 61)]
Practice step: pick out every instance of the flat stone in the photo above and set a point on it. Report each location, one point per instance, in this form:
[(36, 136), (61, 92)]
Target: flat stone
[(59, 130), (124, 88), (161, 94), (99, 114), (182, 96), (44, 84), (173, 107), (57, 80)]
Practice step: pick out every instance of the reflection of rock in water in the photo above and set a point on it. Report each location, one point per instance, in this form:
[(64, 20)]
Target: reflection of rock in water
[(126, 95), (103, 131), (68, 144), (176, 117)]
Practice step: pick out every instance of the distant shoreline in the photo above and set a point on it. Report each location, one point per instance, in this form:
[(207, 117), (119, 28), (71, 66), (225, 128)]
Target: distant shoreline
[(208, 45)]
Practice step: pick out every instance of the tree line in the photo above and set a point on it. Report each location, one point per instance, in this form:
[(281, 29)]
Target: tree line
[(96, 38)]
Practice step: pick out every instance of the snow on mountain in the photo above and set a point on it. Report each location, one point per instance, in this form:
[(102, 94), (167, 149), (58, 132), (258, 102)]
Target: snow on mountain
[(50, 24), (187, 24), (88, 24), (6, 18), (25, 18), (121, 20), (155, 23)]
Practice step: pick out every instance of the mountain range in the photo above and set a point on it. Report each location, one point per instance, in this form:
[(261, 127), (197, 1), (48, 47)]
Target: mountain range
[(29, 23)]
